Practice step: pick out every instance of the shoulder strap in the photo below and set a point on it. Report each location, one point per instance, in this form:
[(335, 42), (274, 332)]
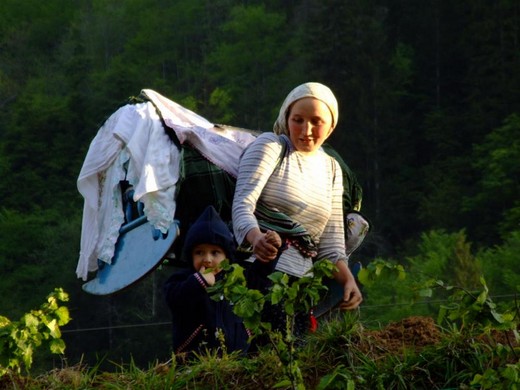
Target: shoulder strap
[(285, 147)]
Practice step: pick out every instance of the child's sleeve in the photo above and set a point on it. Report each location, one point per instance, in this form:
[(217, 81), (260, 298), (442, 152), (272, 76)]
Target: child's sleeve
[(185, 290)]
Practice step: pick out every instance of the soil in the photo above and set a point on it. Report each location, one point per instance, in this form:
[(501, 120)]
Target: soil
[(412, 333)]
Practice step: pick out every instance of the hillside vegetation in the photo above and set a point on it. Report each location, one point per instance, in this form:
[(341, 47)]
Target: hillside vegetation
[(429, 121)]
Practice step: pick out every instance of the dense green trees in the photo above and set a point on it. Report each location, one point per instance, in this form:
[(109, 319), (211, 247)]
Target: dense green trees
[(428, 92)]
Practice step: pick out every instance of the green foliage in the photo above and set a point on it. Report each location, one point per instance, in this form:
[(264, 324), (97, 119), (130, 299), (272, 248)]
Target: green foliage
[(337, 379), (503, 378), (387, 284), (500, 266), (440, 256), (379, 269), (67, 65), (219, 100), (41, 153), (18, 340), (34, 248), (497, 160), (446, 256), (469, 309), (298, 296), (256, 41)]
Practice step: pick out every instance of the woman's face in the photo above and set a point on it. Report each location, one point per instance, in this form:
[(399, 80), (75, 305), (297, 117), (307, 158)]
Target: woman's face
[(309, 123)]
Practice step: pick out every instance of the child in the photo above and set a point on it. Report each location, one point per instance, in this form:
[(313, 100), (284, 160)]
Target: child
[(197, 319)]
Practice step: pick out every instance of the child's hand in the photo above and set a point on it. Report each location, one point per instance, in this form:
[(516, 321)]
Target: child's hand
[(209, 274)]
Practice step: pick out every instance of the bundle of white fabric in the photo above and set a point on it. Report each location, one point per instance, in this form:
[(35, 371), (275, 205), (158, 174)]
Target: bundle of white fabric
[(132, 145)]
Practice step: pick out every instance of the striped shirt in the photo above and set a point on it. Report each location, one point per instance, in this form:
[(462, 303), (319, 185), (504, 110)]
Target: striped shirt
[(308, 188)]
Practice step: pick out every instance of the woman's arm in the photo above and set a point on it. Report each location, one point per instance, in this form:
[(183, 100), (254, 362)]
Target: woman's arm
[(256, 166), (352, 297)]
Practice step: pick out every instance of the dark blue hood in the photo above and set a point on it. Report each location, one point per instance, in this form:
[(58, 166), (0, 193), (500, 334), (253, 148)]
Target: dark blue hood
[(209, 229)]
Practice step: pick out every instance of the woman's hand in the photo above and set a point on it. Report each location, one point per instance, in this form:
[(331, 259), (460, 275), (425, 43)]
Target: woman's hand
[(265, 245), (352, 297)]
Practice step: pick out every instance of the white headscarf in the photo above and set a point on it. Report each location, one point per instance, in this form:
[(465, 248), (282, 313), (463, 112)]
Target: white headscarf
[(315, 90)]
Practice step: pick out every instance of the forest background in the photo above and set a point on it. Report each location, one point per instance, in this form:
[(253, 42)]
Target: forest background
[(429, 97)]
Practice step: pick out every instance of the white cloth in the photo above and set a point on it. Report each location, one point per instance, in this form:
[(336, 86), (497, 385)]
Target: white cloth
[(221, 146), (132, 144), (314, 90)]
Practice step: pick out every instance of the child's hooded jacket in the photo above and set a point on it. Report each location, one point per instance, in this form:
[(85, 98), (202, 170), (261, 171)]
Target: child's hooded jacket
[(196, 318)]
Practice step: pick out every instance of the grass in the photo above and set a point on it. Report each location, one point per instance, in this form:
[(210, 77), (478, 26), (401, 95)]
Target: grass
[(342, 354)]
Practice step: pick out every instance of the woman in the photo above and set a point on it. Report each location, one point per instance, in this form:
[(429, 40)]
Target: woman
[(305, 185)]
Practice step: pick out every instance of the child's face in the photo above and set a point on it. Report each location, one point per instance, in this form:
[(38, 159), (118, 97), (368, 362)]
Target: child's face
[(207, 256)]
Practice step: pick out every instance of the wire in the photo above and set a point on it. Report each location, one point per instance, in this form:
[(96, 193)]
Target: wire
[(169, 323), (114, 327)]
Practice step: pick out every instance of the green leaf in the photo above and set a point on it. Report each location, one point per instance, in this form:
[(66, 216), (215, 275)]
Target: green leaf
[(292, 292), (426, 292), (482, 298), (244, 309), (54, 328), (511, 372), (282, 384), (61, 295), (276, 277), (364, 277), (277, 293), (4, 322), (57, 346), (63, 315), (27, 355), (497, 316), (289, 308), (30, 320), (401, 273)]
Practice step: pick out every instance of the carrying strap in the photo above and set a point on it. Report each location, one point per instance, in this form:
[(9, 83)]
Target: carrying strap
[(281, 223)]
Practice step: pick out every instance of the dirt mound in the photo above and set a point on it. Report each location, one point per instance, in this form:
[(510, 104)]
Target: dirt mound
[(410, 333)]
